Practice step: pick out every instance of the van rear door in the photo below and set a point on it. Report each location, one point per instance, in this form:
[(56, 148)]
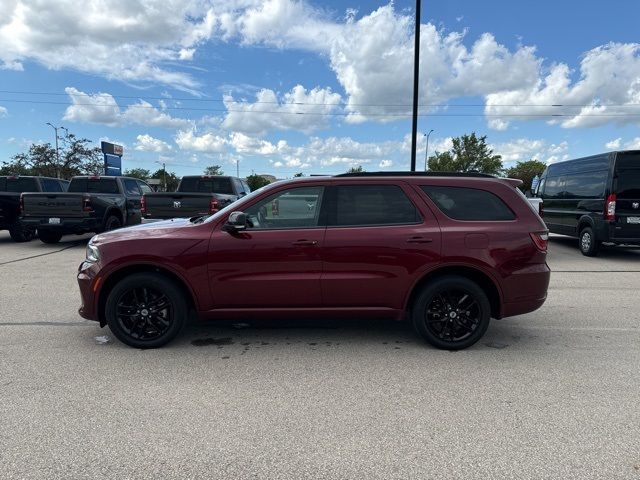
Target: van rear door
[(626, 186)]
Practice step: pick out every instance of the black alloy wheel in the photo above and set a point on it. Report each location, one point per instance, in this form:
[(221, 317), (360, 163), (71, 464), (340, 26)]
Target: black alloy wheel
[(47, 236), (112, 223), (20, 233), (452, 313), (146, 310)]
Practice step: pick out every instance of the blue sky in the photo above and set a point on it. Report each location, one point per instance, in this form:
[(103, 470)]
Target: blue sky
[(282, 86)]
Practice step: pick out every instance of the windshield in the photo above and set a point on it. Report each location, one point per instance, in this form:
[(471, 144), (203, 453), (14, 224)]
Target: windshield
[(207, 185), (93, 185)]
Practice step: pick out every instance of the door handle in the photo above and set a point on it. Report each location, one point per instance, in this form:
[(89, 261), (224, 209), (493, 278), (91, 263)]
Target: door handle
[(304, 243), (420, 240)]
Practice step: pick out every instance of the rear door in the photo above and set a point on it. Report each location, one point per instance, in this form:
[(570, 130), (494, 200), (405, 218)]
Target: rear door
[(380, 236), (133, 196), (554, 212), (626, 186)]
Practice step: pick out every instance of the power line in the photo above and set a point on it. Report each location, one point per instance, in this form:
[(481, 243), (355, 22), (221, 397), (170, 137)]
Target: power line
[(338, 114), (406, 105)]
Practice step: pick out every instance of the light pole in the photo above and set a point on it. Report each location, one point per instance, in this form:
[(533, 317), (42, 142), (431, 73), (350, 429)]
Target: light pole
[(164, 174), (426, 150), (57, 150), (416, 74)]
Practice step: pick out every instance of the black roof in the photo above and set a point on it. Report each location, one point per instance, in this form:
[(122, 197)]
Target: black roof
[(416, 174)]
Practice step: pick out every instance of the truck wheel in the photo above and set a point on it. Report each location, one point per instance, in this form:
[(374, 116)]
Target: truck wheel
[(451, 313), (20, 233), (146, 310), (112, 223), (47, 236), (588, 243)]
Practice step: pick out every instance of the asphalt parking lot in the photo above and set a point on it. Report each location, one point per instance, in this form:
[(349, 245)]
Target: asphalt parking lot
[(552, 394)]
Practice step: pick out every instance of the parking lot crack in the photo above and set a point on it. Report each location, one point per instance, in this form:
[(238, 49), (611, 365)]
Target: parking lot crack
[(41, 254)]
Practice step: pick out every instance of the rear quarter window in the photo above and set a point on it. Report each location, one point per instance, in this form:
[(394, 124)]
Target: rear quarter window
[(469, 204)]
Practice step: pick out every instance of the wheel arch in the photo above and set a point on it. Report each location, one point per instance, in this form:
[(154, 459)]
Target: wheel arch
[(113, 212), (484, 281), (585, 221), (114, 277)]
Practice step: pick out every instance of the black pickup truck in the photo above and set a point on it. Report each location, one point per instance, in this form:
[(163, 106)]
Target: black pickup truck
[(11, 187), (92, 204), (195, 196)]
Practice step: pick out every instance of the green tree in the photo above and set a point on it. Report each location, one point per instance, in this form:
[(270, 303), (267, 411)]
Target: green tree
[(469, 153), (256, 181), (213, 170), (171, 178), (525, 171), (357, 169), (76, 156), (141, 173), (299, 174)]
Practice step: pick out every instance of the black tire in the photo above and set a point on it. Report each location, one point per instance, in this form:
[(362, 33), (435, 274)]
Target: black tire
[(47, 236), (112, 223), (588, 242), (451, 313), (20, 233), (146, 310)]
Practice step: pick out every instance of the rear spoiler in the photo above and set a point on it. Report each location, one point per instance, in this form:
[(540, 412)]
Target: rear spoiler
[(514, 182)]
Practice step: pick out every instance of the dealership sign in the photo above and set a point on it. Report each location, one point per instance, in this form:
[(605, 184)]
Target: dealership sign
[(112, 158)]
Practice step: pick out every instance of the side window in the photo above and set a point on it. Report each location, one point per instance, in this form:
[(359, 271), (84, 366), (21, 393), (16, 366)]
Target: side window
[(540, 189), (469, 204), (585, 185), (131, 187), (238, 186), (246, 187), (50, 185), (553, 187), (373, 205), (144, 187), (292, 208)]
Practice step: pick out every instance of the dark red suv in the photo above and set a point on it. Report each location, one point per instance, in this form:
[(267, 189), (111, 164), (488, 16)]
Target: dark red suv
[(446, 251)]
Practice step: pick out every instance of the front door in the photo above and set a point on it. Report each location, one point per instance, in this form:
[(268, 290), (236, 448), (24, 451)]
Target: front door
[(275, 262)]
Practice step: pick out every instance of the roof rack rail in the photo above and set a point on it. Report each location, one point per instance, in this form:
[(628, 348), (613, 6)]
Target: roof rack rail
[(416, 174)]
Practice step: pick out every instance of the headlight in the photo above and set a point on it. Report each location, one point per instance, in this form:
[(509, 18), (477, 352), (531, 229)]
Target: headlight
[(93, 254)]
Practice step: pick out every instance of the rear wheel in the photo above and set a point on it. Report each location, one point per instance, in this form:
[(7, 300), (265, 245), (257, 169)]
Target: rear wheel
[(451, 313), (20, 233), (146, 310), (47, 236), (112, 223), (588, 243)]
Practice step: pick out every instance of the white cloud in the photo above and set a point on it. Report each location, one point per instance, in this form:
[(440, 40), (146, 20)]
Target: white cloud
[(617, 144), (102, 108), (3, 112), (147, 143), (250, 145), (523, 149), (298, 109), (208, 142), (614, 144), (607, 91), (385, 164), (113, 38)]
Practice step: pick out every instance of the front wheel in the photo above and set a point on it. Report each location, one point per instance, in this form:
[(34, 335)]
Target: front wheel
[(451, 313), (112, 223), (588, 243), (49, 237), (146, 310)]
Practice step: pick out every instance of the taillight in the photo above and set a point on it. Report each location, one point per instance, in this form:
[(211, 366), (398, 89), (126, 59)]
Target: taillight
[(541, 240), (86, 204), (213, 206), (610, 208), (21, 204), (143, 205)]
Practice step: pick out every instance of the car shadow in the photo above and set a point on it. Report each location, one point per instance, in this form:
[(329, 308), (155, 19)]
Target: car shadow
[(606, 251)]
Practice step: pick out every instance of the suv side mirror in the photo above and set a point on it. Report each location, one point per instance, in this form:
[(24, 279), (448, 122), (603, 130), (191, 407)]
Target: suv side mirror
[(237, 221)]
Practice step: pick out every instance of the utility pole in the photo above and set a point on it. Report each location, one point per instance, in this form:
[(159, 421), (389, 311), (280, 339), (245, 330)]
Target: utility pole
[(416, 75), (426, 150), (57, 149)]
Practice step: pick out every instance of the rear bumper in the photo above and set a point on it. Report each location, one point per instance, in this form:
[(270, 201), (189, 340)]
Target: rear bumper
[(66, 225), (526, 290), (618, 233)]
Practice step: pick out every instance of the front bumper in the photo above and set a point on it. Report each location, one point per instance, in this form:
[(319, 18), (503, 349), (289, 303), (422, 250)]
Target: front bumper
[(89, 282)]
